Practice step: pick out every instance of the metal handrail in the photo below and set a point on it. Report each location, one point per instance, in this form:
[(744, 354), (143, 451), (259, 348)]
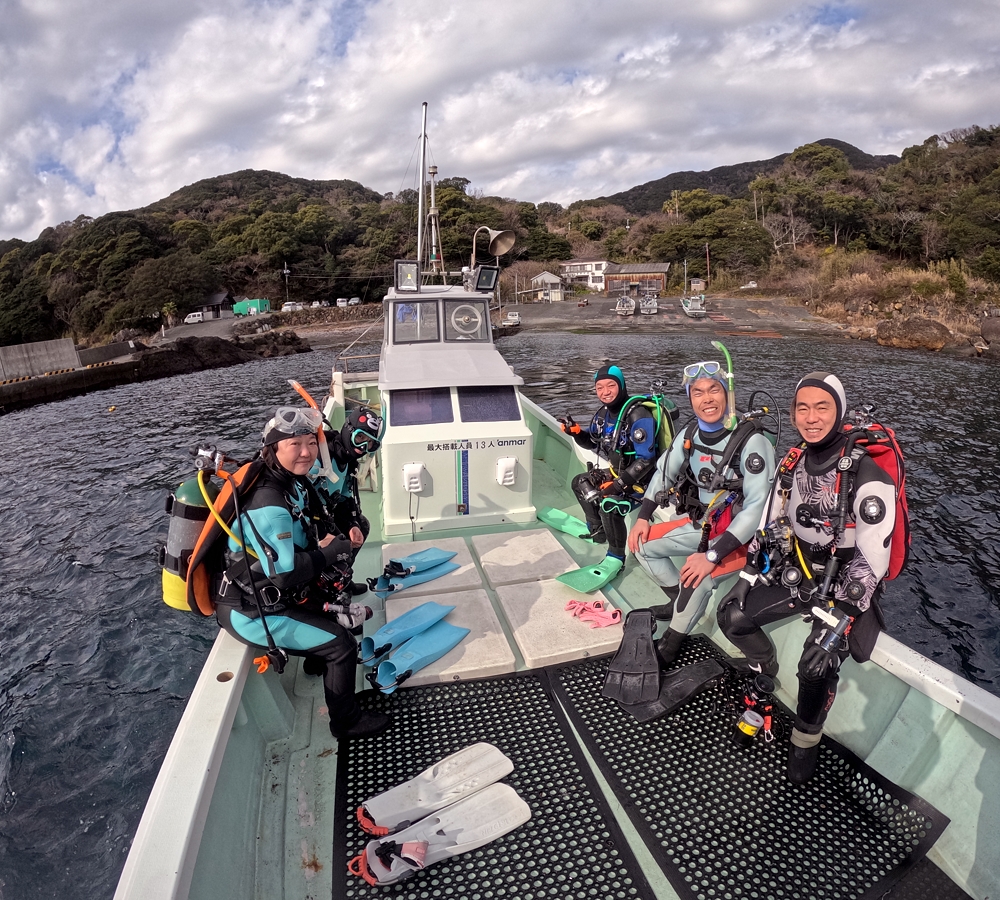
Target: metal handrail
[(346, 359)]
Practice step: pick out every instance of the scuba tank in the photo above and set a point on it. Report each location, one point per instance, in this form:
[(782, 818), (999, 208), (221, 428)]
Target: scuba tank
[(188, 514)]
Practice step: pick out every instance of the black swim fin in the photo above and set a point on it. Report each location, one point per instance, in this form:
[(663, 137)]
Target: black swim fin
[(676, 688), (634, 671)]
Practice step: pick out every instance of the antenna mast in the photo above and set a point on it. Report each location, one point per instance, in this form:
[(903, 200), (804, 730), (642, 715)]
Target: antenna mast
[(420, 188)]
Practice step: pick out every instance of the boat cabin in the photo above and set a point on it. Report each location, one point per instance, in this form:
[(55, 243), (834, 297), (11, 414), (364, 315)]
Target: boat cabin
[(456, 450)]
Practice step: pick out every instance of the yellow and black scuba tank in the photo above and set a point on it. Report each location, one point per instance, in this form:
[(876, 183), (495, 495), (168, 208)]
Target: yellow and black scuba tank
[(188, 514), (206, 556)]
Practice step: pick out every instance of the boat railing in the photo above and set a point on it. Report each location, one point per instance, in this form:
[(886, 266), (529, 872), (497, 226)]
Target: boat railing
[(345, 361)]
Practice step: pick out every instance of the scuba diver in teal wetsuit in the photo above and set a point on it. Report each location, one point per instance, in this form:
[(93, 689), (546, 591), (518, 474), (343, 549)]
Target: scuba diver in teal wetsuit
[(272, 586), (624, 433), (719, 481), (360, 435)]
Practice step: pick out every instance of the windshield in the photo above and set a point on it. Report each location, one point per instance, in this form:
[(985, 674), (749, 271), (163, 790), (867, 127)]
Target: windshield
[(466, 320), (414, 322)]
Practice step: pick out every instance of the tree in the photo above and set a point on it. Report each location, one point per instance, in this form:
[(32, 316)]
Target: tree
[(181, 278), (694, 205)]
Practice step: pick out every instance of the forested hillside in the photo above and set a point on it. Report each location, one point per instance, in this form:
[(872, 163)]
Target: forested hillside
[(819, 224), (729, 180)]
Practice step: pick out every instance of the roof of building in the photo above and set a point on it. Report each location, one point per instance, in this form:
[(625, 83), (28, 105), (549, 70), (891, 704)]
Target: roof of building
[(586, 259), (218, 299), (547, 278), (650, 268)]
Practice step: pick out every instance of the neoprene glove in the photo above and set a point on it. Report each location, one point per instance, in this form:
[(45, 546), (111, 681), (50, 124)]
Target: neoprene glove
[(338, 553), (615, 489), (738, 592), (817, 662), (569, 426)]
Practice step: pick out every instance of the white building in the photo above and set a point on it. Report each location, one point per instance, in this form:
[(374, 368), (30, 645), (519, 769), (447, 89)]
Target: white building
[(547, 288), (588, 272)]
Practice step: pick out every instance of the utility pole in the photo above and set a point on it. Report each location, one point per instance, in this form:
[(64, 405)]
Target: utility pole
[(286, 272), (708, 267)]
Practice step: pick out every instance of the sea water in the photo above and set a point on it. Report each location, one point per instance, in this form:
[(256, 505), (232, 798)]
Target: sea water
[(95, 670)]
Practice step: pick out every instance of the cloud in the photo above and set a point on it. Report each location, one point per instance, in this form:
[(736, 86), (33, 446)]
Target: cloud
[(114, 106)]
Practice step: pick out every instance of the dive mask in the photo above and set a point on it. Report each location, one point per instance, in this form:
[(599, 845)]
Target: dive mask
[(291, 421)]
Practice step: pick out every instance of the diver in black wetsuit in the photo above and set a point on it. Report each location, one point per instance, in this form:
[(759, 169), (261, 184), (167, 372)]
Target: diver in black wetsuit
[(624, 434), (802, 536)]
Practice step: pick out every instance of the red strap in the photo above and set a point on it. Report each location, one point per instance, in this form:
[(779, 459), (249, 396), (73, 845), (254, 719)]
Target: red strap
[(367, 823), (359, 866)]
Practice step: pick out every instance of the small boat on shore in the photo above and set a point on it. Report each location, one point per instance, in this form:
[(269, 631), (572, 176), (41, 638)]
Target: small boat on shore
[(649, 305), (625, 307), (694, 306)]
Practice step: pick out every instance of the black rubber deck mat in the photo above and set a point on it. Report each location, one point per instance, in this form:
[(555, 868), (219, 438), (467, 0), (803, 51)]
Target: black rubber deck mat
[(571, 848), (723, 822)]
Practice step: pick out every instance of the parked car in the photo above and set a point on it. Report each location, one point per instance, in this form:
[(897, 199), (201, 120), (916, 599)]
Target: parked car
[(341, 301), (314, 305), (513, 318), (354, 301), (291, 306), (324, 303), (194, 318)]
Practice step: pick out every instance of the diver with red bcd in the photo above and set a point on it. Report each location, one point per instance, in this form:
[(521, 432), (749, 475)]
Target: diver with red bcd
[(834, 529)]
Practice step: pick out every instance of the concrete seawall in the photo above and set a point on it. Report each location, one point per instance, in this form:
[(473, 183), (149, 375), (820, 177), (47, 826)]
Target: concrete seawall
[(179, 358)]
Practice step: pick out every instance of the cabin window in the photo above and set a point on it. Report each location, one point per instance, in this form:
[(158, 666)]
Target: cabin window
[(466, 320), (422, 406), (415, 322), (488, 404)]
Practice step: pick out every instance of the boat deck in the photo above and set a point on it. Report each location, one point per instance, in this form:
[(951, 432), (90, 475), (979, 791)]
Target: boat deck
[(276, 773)]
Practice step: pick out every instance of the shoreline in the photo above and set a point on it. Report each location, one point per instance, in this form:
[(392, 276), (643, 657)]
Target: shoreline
[(751, 316)]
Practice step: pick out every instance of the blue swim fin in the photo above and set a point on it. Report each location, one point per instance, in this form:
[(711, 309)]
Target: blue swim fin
[(419, 651), (401, 566), (395, 633), (592, 578), (386, 585)]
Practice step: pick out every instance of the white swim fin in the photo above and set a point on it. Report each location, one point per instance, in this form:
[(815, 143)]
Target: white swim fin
[(448, 781), (462, 827)]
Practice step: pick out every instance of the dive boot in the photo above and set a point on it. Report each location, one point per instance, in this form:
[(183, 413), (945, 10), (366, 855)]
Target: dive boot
[(802, 763), (314, 665), (752, 667), (665, 611), (668, 646), (370, 724)]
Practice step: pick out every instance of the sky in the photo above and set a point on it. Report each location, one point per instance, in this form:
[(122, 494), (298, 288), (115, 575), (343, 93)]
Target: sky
[(113, 105)]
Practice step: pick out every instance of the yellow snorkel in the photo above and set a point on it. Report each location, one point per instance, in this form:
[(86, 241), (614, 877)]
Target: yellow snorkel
[(730, 420)]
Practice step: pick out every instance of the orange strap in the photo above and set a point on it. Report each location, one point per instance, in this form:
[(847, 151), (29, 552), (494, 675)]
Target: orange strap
[(262, 663), (731, 563), (662, 528), (728, 564)]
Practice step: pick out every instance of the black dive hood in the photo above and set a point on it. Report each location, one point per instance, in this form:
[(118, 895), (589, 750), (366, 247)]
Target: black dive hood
[(616, 375), (831, 384)]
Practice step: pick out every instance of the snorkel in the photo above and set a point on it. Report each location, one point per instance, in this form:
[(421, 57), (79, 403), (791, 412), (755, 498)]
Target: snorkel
[(326, 468), (730, 420)]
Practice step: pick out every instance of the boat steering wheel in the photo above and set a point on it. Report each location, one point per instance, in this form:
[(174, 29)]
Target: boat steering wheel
[(466, 319)]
